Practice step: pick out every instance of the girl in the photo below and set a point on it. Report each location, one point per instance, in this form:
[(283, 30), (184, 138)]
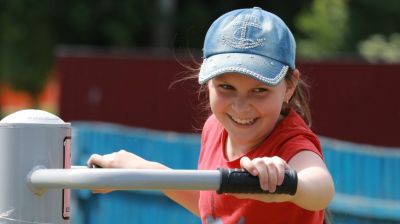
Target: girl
[(258, 123)]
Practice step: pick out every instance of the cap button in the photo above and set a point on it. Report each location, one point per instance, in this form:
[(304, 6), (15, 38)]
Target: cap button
[(256, 7)]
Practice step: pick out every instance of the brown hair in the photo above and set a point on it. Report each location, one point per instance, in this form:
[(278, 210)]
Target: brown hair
[(300, 99)]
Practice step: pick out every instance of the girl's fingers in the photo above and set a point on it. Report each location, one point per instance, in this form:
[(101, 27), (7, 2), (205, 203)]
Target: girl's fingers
[(98, 160), (105, 161), (248, 165), (272, 178), (280, 168), (264, 175), (270, 170), (94, 159)]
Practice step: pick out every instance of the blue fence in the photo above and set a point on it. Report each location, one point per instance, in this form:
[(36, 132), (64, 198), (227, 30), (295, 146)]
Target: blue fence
[(366, 177), (366, 180), (178, 151)]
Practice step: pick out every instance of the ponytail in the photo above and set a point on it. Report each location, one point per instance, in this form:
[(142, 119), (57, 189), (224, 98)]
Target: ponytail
[(300, 99)]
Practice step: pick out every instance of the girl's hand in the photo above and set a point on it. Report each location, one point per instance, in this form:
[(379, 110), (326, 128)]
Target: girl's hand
[(120, 159), (270, 170)]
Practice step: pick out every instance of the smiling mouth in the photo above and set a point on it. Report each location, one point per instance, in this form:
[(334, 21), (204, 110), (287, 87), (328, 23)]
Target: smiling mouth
[(243, 121)]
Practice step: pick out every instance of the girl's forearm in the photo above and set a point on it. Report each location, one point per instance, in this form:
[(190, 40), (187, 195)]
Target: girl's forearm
[(187, 199), (315, 189)]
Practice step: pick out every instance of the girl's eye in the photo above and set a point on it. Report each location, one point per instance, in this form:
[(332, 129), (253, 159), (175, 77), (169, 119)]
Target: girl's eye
[(226, 86), (260, 90)]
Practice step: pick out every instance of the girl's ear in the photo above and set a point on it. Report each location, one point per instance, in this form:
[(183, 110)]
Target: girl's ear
[(292, 84)]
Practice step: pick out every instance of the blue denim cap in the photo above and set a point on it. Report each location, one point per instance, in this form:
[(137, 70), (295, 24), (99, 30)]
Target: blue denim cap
[(251, 42)]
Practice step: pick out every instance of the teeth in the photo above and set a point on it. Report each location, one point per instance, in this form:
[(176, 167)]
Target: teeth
[(243, 121)]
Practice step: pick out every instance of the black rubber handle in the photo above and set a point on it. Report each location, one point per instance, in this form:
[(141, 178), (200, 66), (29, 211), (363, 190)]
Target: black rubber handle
[(241, 181)]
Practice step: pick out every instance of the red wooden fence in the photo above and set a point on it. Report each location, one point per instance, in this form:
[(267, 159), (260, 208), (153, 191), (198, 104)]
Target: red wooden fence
[(353, 101)]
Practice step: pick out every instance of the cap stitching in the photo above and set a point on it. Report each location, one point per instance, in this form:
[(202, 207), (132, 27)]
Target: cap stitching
[(242, 41)]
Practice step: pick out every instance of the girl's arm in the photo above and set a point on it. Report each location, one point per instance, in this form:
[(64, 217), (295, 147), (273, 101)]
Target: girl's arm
[(187, 199), (127, 160), (315, 187)]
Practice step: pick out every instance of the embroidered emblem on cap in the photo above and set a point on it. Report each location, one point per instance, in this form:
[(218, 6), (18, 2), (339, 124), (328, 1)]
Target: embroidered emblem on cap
[(239, 39)]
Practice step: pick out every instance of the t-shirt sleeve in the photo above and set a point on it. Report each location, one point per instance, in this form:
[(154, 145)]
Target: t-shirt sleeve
[(209, 130), (298, 144)]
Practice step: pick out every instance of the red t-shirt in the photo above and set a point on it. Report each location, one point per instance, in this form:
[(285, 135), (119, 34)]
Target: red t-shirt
[(288, 138)]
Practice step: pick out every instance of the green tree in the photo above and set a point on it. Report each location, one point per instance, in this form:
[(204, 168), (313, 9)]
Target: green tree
[(377, 48), (26, 44), (375, 30), (122, 23), (371, 17), (324, 28), (30, 30)]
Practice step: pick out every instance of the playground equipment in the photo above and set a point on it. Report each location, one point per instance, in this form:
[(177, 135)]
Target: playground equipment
[(36, 173)]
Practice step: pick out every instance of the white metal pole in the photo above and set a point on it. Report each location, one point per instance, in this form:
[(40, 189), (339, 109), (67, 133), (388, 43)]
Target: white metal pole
[(41, 178)]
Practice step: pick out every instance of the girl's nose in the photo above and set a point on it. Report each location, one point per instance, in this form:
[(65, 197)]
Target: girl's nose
[(241, 104)]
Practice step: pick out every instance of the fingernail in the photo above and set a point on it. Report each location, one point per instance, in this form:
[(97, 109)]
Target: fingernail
[(264, 187)]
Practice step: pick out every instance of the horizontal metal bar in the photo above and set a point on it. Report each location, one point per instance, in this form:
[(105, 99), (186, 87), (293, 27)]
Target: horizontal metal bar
[(79, 167), (123, 179)]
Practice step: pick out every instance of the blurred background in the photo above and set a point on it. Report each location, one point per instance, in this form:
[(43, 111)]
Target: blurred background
[(110, 68)]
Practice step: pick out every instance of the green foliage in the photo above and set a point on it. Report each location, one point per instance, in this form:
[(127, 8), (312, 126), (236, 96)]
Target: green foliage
[(377, 48), (31, 29), (104, 23), (26, 44), (324, 27), (369, 17), (193, 17)]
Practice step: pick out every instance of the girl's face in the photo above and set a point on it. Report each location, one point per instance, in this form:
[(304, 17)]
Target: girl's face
[(247, 108)]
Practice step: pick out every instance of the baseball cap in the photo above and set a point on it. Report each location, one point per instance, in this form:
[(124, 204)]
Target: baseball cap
[(251, 42)]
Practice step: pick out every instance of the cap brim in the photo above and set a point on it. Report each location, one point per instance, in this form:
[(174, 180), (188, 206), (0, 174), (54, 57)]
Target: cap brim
[(264, 69)]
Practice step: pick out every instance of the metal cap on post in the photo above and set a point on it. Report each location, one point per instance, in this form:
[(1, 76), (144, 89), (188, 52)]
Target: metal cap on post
[(30, 117), (30, 138)]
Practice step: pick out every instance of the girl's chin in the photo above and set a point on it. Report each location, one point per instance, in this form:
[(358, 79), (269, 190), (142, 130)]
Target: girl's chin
[(243, 139)]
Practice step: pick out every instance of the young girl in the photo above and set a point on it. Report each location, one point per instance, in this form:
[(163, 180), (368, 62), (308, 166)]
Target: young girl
[(258, 123)]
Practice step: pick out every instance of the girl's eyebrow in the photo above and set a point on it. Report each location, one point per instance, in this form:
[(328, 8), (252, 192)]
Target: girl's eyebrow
[(262, 86), (220, 79)]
